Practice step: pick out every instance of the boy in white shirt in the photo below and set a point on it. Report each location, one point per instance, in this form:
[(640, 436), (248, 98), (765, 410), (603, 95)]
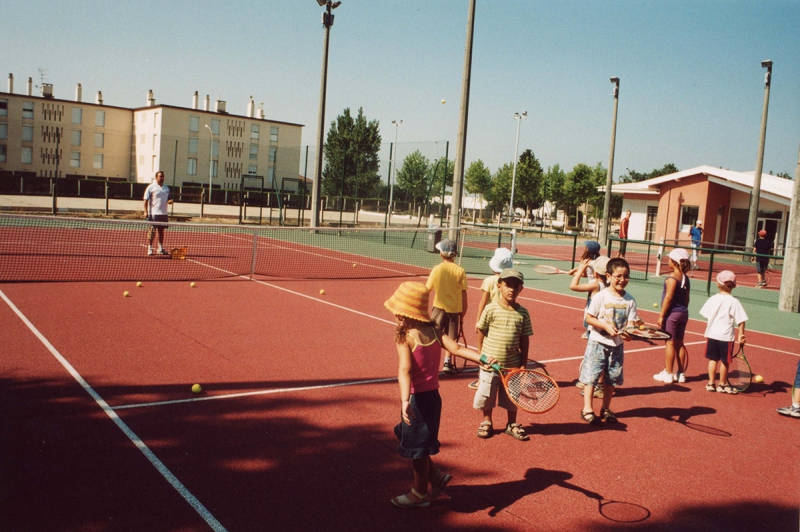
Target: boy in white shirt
[(722, 311)]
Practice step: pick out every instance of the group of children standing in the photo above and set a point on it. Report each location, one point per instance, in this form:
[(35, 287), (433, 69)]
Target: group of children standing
[(503, 331)]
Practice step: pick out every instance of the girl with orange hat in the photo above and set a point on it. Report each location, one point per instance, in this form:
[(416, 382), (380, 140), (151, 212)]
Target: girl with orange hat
[(419, 347)]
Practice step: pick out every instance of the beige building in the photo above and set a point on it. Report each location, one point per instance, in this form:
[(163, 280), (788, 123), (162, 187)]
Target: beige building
[(100, 141)]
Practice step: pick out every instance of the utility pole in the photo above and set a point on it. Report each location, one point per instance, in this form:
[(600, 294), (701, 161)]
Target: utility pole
[(790, 285), (603, 238), (752, 219)]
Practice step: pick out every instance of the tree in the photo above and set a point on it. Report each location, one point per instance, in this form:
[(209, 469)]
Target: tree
[(581, 187), (478, 180), (555, 181), (634, 177), (414, 175), (442, 176), (528, 190), (501, 188), (362, 141)]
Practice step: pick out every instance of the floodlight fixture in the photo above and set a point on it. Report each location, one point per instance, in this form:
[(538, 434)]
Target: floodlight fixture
[(615, 80), (334, 5), (321, 2), (766, 63)]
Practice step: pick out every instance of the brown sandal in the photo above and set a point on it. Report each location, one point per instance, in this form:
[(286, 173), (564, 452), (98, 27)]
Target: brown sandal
[(485, 430)]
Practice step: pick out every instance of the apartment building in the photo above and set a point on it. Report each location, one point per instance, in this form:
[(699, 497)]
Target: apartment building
[(191, 145)]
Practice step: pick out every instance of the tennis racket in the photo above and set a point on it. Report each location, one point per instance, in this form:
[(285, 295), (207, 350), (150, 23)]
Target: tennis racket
[(548, 270), (531, 391), (739, 372), (647, 332), (460, 363)]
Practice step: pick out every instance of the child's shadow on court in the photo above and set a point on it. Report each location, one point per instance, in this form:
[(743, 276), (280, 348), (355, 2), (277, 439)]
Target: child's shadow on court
[(498, 497)]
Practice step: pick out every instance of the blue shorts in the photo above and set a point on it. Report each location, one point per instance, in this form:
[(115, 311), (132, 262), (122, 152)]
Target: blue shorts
[(718, 350), (761, 265), (599, 359), (676, 324), (421, 437)]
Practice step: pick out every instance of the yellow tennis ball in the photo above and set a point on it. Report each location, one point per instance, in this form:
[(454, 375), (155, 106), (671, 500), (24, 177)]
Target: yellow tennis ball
[(197, 388), (193, 284), (443, 101), (758, 378), (139, 284), (322, 292), (655, 305), (641, 327), (354, 265), (126, 293)]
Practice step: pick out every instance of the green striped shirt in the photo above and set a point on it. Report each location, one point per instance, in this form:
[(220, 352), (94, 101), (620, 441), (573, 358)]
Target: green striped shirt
[(502, 329)]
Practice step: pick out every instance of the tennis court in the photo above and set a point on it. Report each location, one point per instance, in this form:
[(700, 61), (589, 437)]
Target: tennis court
[(293, 428)]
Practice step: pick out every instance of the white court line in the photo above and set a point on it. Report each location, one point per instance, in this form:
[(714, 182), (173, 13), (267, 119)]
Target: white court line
[(158, 464)]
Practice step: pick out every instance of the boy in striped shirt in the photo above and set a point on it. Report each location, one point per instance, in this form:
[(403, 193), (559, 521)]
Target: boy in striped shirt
[(504, 331)]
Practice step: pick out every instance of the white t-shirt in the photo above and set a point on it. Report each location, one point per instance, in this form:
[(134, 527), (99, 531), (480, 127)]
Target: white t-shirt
[(723, 312), (158, 197), (607, 307)]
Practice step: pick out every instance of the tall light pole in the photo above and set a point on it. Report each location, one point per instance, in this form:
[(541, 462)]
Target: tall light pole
[(461, 142), (752, 219), (518, 117), (393, 176), (210, 160), (603, 237), (327, 22)]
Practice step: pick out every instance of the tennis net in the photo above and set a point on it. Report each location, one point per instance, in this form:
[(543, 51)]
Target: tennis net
[(49, 248)]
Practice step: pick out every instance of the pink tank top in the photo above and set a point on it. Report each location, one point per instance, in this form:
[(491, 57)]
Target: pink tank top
[(425, 360)]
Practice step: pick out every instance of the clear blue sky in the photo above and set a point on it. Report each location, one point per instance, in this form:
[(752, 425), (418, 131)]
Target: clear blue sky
[(691, 80)]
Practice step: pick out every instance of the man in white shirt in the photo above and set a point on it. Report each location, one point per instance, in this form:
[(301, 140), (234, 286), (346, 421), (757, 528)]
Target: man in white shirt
[(156, 202)]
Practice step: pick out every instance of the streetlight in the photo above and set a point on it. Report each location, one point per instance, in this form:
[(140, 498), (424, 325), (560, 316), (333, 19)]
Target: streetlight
[(603, 237), (392, 176), (210, 160), (752, 219), (518, 117), (327, 22)]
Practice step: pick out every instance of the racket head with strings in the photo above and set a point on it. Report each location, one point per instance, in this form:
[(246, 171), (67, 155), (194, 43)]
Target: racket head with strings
[(530, 390), (648, 332), (739, 373), (537, 366), (547, 270)]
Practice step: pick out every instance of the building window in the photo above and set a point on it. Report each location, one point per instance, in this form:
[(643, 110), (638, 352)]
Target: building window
[(271, 175), (98, 161), (689, 215), (27, 133), (215, 126), (3, 131), (193, 145), (100, 118), (142, 138), (2, 153), (77, 115), (99, 140), (27, 110), (254, 128), (155, 120), (252, 169), (75, 138), (154, 163), (27, 155), (215, 148), (273, 134), (254, 151), (194, 124), (75, 159), (272, 153), (155, 142), (214, 168), (3, 107), (144, 118), (141, 160), (192, 168)]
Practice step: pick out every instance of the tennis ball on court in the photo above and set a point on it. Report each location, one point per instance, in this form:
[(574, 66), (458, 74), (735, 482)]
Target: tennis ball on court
[(354, 265), (758, 378), (196, 388), (139, 284), (655, 305), (193, 284), (126, 293), (443, 101), (322, 292)]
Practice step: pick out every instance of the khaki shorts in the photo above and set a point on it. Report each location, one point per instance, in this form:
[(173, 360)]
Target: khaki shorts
[(447, 322), (491, 393)]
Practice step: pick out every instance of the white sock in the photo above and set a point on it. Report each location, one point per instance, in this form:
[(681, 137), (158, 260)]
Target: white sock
[(795, 405)]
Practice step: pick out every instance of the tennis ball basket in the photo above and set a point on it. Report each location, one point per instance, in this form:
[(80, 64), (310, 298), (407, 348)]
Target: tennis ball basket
[(179, 253)]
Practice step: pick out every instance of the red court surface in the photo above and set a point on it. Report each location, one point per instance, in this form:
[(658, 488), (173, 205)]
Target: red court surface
[(256, 451)]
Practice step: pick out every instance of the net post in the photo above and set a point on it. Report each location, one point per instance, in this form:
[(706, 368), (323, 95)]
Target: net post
[(106, 192), (255, 249), (659, 255)]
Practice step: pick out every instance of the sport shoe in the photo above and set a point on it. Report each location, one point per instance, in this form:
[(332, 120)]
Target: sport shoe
[(667, 378), (149, 251), (473, 385), (790, 411), (585, 335), (163, 251), (681, 377), (448, 368)]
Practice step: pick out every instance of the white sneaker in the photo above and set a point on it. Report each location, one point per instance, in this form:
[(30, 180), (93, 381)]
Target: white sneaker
[(149, 251), (681, 377), (664, 377)]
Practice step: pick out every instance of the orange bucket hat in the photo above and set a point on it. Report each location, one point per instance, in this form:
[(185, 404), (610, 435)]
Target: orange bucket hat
[(411, 301)]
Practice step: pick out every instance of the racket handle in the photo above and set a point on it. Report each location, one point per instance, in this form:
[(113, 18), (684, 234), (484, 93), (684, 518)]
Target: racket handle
[(485, 361)]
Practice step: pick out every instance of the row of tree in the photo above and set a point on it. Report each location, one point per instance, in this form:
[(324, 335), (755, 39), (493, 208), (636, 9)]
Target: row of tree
[(352, 170)]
